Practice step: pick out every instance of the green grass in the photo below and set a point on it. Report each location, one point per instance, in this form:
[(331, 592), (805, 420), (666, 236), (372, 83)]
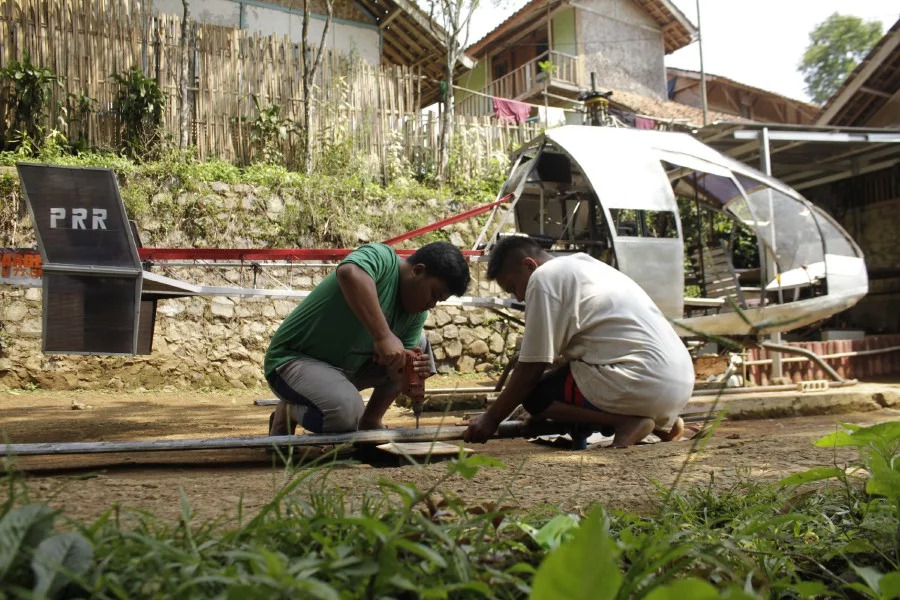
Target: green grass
[(321, 210), (831, 531)]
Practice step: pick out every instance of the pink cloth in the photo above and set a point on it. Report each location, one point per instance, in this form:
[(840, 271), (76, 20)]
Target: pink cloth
[(511, 111), (644, 123)]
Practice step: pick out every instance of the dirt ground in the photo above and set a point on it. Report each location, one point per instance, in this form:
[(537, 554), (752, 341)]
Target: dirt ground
[(216, 480)]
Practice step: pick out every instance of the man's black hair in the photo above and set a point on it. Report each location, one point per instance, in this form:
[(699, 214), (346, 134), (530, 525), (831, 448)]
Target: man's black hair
[(444, 261), (514, 247)]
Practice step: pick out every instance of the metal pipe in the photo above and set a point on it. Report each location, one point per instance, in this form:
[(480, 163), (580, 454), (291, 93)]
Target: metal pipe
[(507, 429), (802, 352), (766, 388), (771, 268), (766, 361), (702, 70)]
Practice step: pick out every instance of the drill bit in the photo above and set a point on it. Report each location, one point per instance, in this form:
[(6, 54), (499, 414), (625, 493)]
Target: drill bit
[(417, 404)]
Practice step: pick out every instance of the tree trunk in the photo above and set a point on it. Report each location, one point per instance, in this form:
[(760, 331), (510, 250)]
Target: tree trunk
[(447, 121), (304, 81), (184, 108), (309, 76)]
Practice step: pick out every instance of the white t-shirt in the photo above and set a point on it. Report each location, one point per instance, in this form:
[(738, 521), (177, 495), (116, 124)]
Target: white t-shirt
[(624, 355)]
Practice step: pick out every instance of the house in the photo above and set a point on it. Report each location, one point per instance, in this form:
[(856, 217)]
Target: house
[(734, 98), (547, 50), (867, 202), (386, 32)]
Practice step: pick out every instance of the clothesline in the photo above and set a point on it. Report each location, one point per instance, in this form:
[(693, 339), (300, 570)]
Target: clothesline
[(467, 90), (617, 122)]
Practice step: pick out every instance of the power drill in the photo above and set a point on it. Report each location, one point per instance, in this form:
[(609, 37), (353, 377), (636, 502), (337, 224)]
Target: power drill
[(413, 383)]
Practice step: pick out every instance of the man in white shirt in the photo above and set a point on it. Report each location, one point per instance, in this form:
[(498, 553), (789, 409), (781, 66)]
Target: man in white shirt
[(623, 366)]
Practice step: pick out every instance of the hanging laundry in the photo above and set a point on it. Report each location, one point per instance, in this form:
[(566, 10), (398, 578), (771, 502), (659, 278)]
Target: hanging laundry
[(511, 111), (624, 116), (644, 123), (551, 116)]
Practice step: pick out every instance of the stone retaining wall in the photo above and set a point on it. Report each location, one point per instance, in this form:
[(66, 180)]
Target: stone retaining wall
[(220, 342), (214, 342)]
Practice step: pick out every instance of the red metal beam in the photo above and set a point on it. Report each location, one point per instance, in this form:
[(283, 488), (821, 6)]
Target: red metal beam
[(253, 254), (448, 221)]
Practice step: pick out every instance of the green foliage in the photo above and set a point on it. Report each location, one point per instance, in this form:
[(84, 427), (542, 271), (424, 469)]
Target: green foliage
[(311, 541), (269, 131), (584, 568), (713, 227), (139, 103), (29, 96), (750, 540), (802, 537), (836, 46), (33, 556), (78, 110)]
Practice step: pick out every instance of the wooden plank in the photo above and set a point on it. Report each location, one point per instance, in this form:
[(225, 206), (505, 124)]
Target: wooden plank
[(423, 449)]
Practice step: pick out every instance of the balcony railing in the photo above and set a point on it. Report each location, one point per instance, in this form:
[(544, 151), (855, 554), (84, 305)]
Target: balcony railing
[(523, 81)]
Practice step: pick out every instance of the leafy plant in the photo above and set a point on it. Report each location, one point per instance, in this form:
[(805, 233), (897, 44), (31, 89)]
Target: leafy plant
[(30, 89), (139, 104), (33, 557), (879, 459), (547, 66), (78, 109), (269, 131)]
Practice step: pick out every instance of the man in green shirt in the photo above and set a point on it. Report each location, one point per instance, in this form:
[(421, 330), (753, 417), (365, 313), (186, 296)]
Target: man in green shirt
[(350, 334)]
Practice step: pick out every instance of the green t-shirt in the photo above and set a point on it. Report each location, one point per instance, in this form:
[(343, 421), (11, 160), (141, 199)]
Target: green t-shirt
[(324, 327)]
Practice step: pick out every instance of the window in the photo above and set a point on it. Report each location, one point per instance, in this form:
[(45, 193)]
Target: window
[(629, 222)]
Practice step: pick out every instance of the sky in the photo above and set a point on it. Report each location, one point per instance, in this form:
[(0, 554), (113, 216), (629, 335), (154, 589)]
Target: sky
[(756, 42)]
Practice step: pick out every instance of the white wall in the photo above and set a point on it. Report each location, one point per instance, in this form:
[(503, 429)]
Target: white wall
[(623, 45), (343, 36), (215, 12)]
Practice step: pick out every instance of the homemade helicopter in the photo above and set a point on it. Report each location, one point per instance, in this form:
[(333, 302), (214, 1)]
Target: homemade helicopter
[(613, 193)]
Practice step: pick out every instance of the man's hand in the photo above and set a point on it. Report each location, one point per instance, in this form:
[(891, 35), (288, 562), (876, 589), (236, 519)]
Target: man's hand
[(422, 366), (481, 428), (389, 352)]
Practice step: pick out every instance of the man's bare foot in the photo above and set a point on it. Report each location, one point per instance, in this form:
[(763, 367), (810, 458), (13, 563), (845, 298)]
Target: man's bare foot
[(632, 431), (674, 434), (280, 422)]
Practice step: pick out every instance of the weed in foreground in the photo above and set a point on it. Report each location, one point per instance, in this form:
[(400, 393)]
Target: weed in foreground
[(831, 531)]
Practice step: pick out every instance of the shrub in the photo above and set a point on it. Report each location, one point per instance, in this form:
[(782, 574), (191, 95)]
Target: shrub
[(29, 96), (139, 105)]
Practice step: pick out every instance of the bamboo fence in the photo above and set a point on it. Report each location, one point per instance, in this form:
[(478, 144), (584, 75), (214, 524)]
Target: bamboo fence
[(375, 109)]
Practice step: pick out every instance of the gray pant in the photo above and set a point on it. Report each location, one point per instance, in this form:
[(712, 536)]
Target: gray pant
[(325, 398)]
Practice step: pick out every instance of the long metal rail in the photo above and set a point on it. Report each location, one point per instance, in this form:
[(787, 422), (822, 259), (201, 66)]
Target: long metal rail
[(507, 429)]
